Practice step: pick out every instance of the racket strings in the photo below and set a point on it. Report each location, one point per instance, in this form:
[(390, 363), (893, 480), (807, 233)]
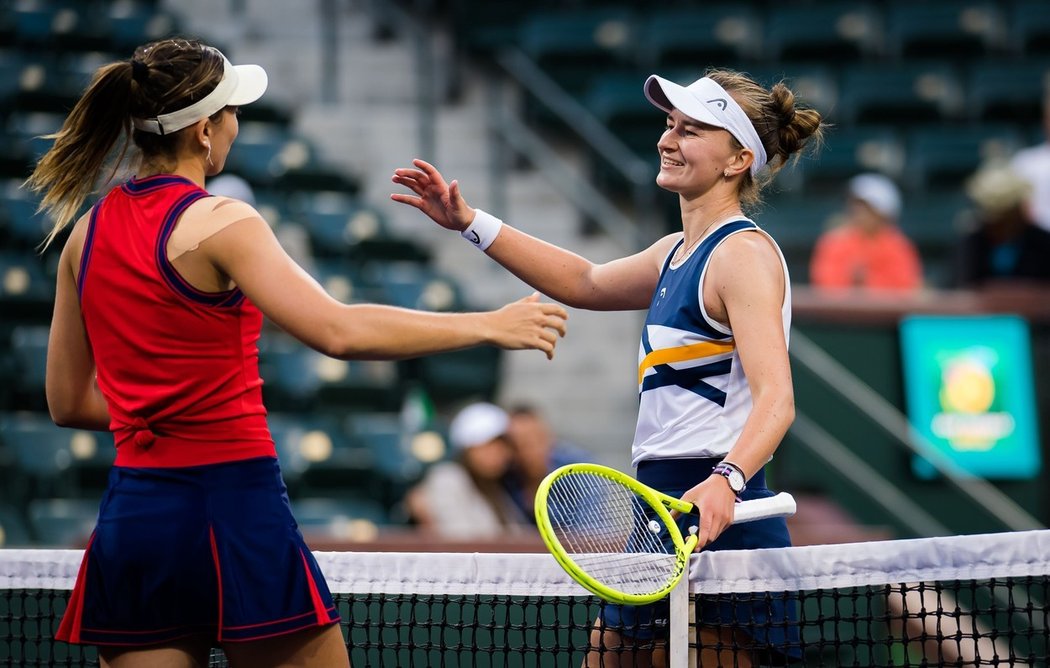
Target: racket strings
[(611, 533)]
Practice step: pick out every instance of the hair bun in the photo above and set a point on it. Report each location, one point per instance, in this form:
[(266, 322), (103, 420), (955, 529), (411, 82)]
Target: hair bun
[(139, 70)]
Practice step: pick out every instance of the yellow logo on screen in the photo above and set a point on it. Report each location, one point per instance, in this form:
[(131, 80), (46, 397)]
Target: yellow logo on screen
[(967, 387), (967, 393)]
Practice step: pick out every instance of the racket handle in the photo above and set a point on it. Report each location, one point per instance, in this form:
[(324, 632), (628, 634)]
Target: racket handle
[(781, 505)]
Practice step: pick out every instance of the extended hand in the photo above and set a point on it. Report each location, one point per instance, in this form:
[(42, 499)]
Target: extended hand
[(441, 201), (528, 324)]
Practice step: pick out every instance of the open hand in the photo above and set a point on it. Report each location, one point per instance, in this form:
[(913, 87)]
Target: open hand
[(528, 324), (442, 202)]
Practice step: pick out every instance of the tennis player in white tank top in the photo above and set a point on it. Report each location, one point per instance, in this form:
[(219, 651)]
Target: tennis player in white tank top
[(714, 374)]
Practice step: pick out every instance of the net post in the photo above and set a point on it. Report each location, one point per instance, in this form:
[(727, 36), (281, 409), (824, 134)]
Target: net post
[(678, 624)]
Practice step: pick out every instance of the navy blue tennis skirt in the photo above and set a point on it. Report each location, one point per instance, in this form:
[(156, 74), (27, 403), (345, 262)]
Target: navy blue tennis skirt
[(771, 619), (205, 550)]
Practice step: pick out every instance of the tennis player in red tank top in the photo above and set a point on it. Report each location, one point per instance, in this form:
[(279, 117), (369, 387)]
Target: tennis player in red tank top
[(160, 298)]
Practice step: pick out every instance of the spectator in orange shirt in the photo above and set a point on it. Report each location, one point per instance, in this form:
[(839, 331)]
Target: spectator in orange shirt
[(867, 250)]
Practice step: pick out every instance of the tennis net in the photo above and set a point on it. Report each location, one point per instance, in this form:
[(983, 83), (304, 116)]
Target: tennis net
[(959, 601)]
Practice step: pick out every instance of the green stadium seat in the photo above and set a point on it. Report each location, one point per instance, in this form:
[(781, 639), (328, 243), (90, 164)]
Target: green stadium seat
[(26, 291), (944, 28), (21, 227), (415, 286), (945, 156), (397, 455), (694, 36), (14, 531), (850, 150), (339, 519), (298, 378), (343, 225), (936, 221), (29, 354), (827, 31), (573, 45), (796, 223), (907, 93), (457, 376), (59, 522), (56, 461), (134, 24), (1008, 90), (1029, 27)]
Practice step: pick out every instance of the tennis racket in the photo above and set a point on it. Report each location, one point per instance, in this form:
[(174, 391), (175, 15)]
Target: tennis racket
[(615, 535)]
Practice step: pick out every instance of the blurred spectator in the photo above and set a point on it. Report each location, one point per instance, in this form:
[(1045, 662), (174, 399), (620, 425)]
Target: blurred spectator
[(867, 249), (537, 452), (231, 185), (1005, 243), (464, 497), (1033, 165)]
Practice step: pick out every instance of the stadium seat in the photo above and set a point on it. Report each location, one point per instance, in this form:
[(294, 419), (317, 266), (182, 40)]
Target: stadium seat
[(298, 378), (344, 225), (29, 354), (1029, 27), (21, 227), (396, 454), (135, 23), (945, 156), (850, 150), (264, 153), (59, 522), (828, 31), (14, 532), (796, 223), (411, 285), (907, 93), (26, 291), (1008, 90), (681, 37), (814, 83), (339, 519), (573, 45), (936, 221), (944, 29), (457, 376), (57, 461)]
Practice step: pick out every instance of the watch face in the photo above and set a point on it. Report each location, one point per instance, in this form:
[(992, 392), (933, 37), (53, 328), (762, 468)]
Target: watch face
[(736, 481)]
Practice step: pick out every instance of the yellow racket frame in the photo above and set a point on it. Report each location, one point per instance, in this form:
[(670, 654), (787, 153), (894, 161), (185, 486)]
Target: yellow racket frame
[(659, 501)]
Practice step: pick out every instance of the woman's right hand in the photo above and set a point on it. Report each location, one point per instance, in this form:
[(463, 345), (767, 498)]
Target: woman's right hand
[(437, 199), (528, 324)]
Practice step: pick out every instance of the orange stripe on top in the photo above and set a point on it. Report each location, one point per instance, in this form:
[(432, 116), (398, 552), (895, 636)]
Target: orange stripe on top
[(683, 353)]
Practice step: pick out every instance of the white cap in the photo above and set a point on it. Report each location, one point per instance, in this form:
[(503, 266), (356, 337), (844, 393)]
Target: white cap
[(877, 191), (477, 424), (240, 85), (705, 101)]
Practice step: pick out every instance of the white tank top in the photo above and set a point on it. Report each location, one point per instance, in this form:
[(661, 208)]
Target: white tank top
[(693, 395)]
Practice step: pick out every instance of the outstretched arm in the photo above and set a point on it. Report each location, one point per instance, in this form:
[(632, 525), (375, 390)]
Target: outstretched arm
[(250, 255), (623, 284)]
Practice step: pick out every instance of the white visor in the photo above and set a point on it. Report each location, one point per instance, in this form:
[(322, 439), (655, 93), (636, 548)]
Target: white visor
[(707, 102), (240, 84)]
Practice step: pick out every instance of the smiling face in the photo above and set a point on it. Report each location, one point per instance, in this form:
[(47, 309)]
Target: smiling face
[(693, 155)]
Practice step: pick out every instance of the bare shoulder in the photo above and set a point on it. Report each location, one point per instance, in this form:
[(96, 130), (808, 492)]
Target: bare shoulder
[(746, 249)]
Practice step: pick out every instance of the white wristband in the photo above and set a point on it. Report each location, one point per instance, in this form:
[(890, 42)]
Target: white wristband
[(484, 230)]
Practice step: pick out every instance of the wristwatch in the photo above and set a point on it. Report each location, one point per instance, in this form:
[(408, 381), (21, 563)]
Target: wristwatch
[(733, 475)]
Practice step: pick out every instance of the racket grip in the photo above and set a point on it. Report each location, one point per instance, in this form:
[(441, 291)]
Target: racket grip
[(781, 505)]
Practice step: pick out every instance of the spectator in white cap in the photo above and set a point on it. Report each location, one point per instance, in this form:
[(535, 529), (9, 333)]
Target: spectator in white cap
[(713, 376), (866, 249), (464, 497)]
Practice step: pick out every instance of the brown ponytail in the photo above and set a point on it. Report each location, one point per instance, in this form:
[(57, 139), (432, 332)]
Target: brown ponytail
[(161, 77), (68, 172), (784, 128)]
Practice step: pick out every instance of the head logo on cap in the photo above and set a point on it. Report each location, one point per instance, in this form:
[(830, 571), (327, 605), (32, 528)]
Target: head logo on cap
[(722, 104)]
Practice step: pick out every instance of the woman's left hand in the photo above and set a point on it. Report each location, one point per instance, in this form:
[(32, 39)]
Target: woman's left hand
[(714, 500)]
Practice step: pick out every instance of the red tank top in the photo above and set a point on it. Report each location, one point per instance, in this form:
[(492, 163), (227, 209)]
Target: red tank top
[(179, 367)]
